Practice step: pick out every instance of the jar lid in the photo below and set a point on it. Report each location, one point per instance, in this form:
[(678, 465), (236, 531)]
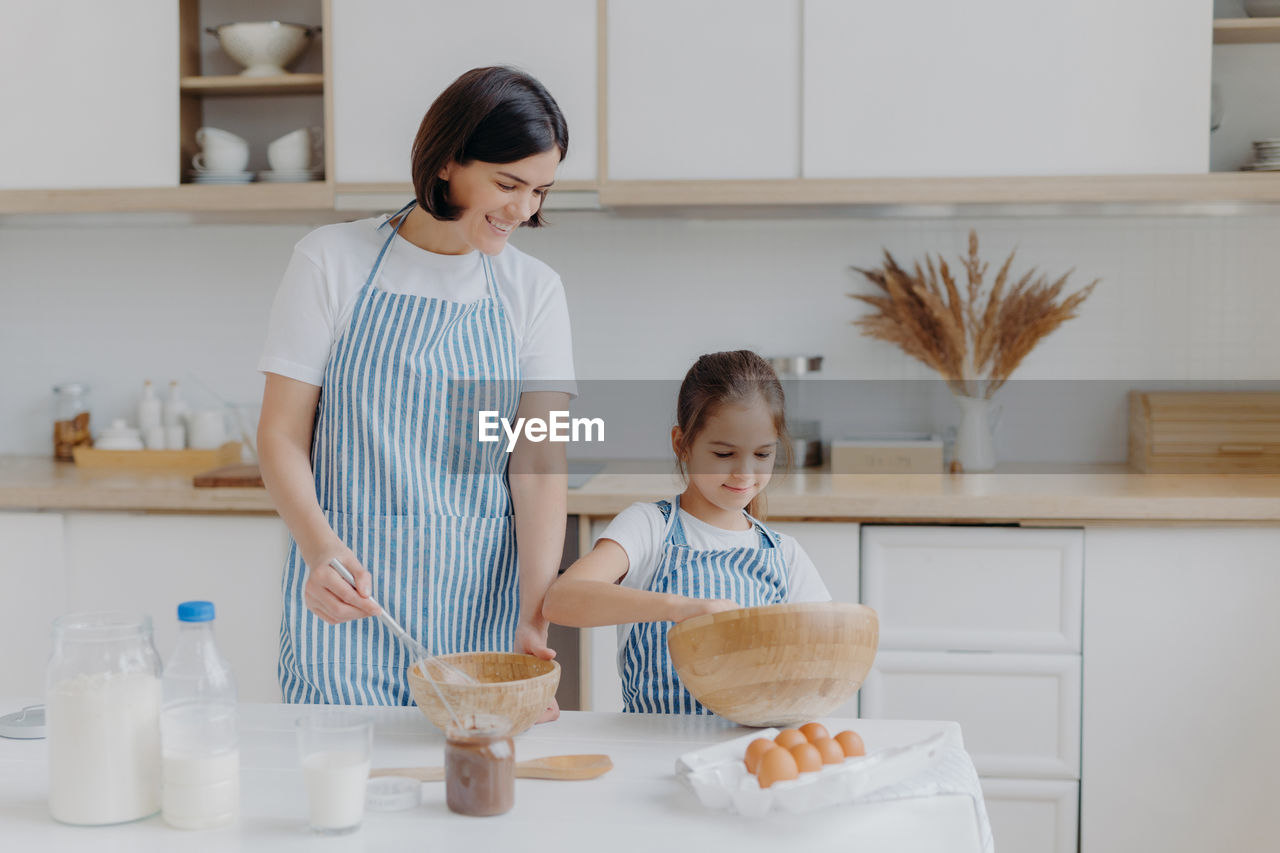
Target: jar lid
[(25, 724), (71, 388), (478, 727), (195, 611), (392, 793)]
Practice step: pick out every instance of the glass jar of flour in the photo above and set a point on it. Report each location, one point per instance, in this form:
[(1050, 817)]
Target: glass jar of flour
[(102, 698)]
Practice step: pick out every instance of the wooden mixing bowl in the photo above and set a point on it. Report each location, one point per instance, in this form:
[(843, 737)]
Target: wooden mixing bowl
[(518, 687), (777, 665)]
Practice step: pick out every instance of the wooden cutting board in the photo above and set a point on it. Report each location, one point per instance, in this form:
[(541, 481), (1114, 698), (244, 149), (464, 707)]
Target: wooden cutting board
[(235, 476)]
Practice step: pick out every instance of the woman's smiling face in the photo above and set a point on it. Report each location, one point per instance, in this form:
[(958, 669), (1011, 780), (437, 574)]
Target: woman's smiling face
[(496, 198)]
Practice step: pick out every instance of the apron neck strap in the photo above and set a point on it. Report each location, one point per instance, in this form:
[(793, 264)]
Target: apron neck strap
[(403, 214)]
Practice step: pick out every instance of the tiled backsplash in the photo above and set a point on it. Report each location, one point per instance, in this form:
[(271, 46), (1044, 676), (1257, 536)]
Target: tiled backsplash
[(1186, 299)]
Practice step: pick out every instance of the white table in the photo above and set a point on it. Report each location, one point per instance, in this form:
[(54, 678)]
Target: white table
[(639, 805)]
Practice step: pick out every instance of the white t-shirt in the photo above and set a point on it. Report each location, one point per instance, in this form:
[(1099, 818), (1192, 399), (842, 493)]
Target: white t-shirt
[(640, 528), (329, 266)]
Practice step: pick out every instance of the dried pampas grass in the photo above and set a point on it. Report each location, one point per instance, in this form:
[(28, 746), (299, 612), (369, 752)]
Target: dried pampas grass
[(973, 338)]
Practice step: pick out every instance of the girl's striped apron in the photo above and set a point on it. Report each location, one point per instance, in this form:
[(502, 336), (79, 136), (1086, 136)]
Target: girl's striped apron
[(749, 576), (406, 485)]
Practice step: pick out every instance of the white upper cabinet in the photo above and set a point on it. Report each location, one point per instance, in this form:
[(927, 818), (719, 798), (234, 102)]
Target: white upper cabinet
[(90, 94), (703, 89), (391, 58), (1005, 87)]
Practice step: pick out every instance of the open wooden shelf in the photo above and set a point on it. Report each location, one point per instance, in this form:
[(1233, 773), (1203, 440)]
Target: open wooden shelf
[(1246, 30), (185, 198), (233, 84)]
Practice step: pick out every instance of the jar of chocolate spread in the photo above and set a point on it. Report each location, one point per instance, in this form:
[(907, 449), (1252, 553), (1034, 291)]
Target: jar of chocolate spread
[(480, 766)]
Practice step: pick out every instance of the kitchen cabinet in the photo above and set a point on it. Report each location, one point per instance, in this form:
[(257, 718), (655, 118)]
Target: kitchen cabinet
[(149, 563), (936, 88), (90, 98), (393, 57), (983, 625), (703, 89), (33, 575), (1180, 738), (833, 547)]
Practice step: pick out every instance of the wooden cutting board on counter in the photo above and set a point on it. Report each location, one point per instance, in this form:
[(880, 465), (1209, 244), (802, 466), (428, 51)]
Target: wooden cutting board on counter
[(231, 476)]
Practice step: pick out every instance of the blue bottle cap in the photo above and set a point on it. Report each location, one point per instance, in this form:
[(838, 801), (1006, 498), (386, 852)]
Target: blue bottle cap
[(195, 611)]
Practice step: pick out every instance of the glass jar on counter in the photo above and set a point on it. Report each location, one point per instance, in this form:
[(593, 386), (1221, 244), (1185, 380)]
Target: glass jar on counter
[(480, 766), (70, 419), (102, 708)]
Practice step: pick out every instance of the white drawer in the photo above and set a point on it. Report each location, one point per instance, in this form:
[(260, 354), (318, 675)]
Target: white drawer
[(974, 588), (1020, 714), (1032, 815)]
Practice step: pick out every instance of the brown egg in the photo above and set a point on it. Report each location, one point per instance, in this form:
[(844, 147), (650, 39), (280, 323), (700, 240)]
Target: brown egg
[(789, 738), (814, 731), (851, 743), (808, 759), (777, 765), (831, 752), (755, 749)]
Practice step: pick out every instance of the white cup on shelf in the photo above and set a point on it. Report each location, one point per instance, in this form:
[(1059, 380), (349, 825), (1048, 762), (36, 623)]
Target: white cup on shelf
[(291, 152), (221, 151), (208, 429)]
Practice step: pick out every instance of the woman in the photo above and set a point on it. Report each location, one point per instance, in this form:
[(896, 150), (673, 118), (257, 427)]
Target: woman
[(387, 338)]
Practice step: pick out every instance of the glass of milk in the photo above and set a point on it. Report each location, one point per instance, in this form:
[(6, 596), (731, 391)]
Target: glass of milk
[(334, 747)]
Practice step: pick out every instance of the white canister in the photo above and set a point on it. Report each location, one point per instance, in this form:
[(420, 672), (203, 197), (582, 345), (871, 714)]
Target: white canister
[(102, 707)]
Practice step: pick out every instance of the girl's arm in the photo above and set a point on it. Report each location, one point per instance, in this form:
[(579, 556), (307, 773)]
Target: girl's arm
[(284, 455), (539, 479), (588, 594)]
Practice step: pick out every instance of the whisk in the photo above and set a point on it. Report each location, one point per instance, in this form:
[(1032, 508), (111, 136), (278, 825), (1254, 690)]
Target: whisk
[(416, 650)]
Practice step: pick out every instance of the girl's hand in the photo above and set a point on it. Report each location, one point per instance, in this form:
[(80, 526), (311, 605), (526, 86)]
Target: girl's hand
[(532, 640), (690, 607), (330, 597)]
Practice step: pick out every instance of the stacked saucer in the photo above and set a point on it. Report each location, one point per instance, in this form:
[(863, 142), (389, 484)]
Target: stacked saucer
[(1266, 155), (291, 175), (217, 176)]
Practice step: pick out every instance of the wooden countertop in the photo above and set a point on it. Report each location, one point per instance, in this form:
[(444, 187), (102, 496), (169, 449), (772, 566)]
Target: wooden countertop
[(1044, 494)]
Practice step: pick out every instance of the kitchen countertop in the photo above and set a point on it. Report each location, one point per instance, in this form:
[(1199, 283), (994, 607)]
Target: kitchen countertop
[(1052, 494), (639, 805)]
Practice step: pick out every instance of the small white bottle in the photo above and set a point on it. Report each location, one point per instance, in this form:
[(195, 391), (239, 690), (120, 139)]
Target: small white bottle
[(175, 408), (149, 408), (199, 749)]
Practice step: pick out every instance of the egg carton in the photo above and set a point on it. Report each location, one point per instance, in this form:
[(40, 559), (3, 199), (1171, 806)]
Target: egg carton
[(719, 778)]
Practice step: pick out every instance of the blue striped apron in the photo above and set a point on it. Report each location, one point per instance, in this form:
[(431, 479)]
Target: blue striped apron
[(749, 576), (406, 485)]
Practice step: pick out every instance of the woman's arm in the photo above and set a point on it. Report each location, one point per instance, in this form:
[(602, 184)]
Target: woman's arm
[(588, 594), (284, 455), (539, 479)]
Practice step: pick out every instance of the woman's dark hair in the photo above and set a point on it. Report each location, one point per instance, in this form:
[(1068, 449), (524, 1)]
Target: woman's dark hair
[(729, 378), (494, 115)]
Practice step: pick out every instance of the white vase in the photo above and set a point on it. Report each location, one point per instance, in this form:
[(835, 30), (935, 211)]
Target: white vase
[(974, 448)]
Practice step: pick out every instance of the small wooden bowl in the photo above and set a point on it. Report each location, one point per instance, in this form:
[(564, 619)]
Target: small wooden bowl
[(777, 665), (518, 687)]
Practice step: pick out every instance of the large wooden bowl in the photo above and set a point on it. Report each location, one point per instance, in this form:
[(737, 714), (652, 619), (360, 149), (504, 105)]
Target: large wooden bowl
[(518, 687), (777, 665)]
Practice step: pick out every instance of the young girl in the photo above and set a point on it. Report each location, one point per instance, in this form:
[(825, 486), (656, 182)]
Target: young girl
[(702, 551)]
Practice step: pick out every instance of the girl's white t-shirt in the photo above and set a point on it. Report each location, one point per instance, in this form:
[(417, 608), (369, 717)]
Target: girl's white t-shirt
[(640, 528), (330, 265)]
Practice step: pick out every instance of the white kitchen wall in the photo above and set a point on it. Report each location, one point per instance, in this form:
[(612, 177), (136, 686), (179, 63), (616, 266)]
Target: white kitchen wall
[(115, 300)]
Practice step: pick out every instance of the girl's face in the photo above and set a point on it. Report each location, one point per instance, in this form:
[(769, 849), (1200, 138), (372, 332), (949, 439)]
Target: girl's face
[(731, 460), (496, 198)]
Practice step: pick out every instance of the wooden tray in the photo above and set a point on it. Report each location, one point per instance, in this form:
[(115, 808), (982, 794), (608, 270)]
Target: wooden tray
[(231, 476), (183, 461)]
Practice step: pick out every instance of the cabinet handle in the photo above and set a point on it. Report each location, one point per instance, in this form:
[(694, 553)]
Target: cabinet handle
[(1233, 449)]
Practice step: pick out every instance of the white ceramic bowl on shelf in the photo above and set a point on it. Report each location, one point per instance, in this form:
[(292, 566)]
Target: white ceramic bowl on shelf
[(263, 47)]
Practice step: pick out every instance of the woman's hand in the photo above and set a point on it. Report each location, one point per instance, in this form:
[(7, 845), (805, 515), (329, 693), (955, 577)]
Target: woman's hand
[(691, 607), (329, 596), (532, 640)]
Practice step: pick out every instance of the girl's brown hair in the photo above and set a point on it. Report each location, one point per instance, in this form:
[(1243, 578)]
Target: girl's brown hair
[(494, 115), (724, 378)]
